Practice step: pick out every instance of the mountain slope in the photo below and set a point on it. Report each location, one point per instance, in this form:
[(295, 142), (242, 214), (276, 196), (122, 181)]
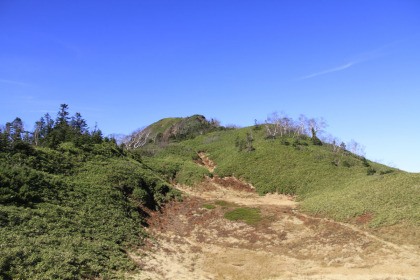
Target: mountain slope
[(73, 212), (326, 180)]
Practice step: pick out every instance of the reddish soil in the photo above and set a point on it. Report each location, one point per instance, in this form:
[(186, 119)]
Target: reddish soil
[(233, 183), (364, 219)]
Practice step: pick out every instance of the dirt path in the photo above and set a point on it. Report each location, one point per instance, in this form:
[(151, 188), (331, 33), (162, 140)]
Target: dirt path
[(194, 242)]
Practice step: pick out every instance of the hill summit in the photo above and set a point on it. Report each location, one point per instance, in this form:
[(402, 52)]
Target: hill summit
[(171, 129)]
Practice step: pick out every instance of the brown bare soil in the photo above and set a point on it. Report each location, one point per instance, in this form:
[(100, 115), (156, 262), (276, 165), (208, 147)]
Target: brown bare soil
[(205, 162), (193, 242)]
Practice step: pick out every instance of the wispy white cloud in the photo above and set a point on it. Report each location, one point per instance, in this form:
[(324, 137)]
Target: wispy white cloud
[(339, 68), (359, 58)]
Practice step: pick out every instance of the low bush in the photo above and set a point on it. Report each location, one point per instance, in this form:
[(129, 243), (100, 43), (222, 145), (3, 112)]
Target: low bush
[(370, 171)]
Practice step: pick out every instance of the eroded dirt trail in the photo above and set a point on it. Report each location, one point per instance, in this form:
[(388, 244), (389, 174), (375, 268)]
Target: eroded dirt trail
[(193, 242)]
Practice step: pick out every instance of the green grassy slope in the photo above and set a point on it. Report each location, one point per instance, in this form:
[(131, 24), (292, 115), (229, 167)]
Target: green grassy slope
[(331, 183), (163, 125), (72, 213), (172, 129)]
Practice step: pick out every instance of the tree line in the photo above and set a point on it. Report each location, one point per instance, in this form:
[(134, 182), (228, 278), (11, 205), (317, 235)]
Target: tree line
[(50, 133), (279, 125)]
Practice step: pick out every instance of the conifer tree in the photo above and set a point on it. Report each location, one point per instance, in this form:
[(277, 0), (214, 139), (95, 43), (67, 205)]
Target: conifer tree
[(15, 129), (62, 128), (78, 124), (80, 129)]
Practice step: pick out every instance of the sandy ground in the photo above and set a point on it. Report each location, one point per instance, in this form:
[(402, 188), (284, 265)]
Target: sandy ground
[(193, 242)]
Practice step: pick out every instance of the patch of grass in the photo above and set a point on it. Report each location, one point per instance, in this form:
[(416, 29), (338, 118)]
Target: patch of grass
[(208, 206), (391, 198), (251, 216), (191, 173), (225, 204)]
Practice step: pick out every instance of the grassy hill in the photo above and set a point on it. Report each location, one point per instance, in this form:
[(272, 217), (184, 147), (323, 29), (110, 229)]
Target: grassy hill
[(72, 203), (326, 180), (171, 129)]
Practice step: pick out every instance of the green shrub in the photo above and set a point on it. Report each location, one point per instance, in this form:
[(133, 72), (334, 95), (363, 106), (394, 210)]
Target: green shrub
[(142, 195), (209, 206), (251, 216), (365, 162), (316, 141), (370, 171), (345, 163)]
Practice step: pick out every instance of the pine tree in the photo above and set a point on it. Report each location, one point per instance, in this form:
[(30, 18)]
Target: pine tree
[(62, 115), (80, 129), (15, 130), (62, 128), (78, 124)]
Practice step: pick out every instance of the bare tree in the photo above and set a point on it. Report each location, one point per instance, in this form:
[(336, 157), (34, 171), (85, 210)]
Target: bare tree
[(275, 124), (232, 126), (37, 134), (356, 148), (287, 125), (137, 138), (335, 146), (316, 125), (303, 120), (215, 122), (271, 124), (333, 142)]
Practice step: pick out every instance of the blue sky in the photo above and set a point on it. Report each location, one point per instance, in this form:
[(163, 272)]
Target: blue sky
[(126, 64)]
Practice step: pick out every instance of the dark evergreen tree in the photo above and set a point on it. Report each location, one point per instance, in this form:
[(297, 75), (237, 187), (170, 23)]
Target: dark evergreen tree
[(78, 124), (80, 130), (4, 140), (43, 130), (96, 135), (49, 123), (62, 115), (15, 130), (62, 128)]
